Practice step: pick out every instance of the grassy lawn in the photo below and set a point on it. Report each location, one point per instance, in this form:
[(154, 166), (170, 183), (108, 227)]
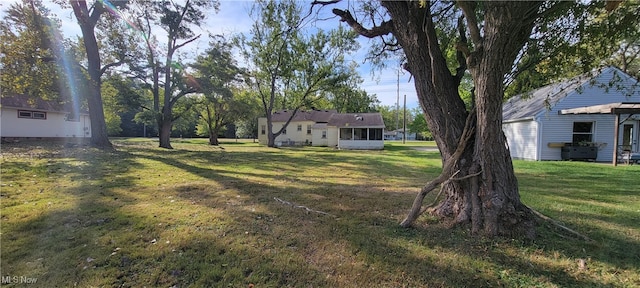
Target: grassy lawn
[(205, 216)]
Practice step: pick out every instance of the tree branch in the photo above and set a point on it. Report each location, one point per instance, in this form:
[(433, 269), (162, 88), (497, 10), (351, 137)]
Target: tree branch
[(385, 27), (108, 66), (469, 10), (178, 46)]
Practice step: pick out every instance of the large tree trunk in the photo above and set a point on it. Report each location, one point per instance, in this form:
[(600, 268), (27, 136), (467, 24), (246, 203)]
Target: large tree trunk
[(478, 179), (87, 24), (505, 32), (164, 125)]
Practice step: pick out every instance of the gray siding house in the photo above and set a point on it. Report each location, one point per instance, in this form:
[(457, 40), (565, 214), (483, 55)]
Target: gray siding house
[(540, 125)]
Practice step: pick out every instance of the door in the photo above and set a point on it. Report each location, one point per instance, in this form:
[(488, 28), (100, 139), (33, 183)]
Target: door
[(630, 136)]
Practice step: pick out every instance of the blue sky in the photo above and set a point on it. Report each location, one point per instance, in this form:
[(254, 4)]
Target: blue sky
[(233, 17)]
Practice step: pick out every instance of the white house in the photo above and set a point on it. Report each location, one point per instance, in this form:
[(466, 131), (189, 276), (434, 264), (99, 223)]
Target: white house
[(550, 123), (23, 117), (326, 128)]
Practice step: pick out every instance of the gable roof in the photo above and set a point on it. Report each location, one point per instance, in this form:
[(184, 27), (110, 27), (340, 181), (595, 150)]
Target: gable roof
[(21, 101), (357, 120), (528, 105), (331, 118), (321, 116)]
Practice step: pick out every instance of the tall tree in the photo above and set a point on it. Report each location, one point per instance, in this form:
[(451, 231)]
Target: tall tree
[(596, 35), (168, 79), (293, 66), (88, 17), (348, 97), (216, 72), (28, 54), (477, 175)]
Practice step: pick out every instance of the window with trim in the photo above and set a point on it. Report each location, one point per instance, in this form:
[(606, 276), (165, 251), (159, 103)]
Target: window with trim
[(346, 133), (582, 132), (308, 129), (324, 134), (263, 129), (32, 114), (299, 127), (375, 133), (360, 134)]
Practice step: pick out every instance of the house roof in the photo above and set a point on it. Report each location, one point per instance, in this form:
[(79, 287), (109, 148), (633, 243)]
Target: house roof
[(530, 104), (21, 101), (357, 120), (611, 108), (321, 116)]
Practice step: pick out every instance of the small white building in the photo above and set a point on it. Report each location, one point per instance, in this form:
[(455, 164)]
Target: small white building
[(23, 117), (550, 123), (326, 128)]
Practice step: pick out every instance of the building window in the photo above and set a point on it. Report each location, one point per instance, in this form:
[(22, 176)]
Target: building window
[(32, 114), (360, 134), (582, 132), (324, 134), (299, 127), (284, 131), (263, 129), (308, 129), (346, 133), (375, 133)]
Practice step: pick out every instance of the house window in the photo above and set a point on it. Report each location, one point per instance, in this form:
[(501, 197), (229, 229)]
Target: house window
[(346, 133), (299, 127), (375, 133), (39, 115), (582, 132), (25, 114), (324, 134), (32, 114), (263, 128), (308, 129), (360, 134), (284, 131)]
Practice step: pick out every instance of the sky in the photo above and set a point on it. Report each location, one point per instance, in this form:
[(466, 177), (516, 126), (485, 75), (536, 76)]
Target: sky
[(233, 17)]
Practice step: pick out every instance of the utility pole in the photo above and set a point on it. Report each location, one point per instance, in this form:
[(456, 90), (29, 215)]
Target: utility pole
[(404, 121), (397, 102)]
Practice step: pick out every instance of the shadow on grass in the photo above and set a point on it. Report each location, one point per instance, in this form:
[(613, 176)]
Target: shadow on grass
[(247, 237), (371, 236)]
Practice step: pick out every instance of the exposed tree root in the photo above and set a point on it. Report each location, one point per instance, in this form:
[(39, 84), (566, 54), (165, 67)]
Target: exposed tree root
[(447, 173), (557, 224), (302, 207)]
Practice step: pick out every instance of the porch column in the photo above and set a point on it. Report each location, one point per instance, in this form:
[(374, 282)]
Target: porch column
[(615, 140)]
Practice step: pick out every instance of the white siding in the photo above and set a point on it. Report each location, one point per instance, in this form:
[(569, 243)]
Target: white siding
[(54, 125), (559, 128), (317, 139), (522, 137), (292, 132), (262, 138), (361, 144), (332, 136)]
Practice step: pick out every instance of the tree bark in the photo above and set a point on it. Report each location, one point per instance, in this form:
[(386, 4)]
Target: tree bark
[(165, 123), (478, 178), (87, 24)]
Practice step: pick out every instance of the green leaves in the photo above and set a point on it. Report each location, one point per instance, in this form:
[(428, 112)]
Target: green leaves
[(28, 53)]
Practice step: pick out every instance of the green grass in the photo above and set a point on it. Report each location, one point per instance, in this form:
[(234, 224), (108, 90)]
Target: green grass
[(205, 216)]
